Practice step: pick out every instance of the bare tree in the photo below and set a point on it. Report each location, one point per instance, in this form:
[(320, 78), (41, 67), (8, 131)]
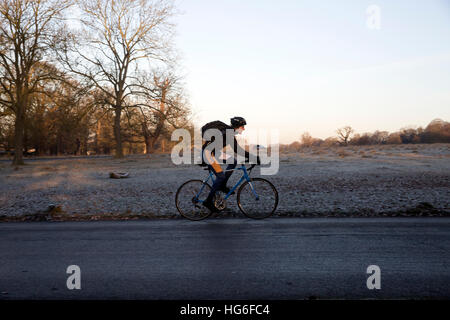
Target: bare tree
[(119, 38), (27, 30), (344, 134), (306, 139), (168, 109), (380, 137), (409, 135)]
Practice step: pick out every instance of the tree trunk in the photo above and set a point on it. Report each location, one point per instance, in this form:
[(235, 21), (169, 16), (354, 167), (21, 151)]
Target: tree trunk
[(97, 138), (148, 148), (19, 126), (147, 138), (25, 139), (117, 132), (153, 144), (150, 144), (59, 144), (84, 148)]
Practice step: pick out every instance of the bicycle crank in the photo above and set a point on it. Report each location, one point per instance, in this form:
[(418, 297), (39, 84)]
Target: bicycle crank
[(219, 202)]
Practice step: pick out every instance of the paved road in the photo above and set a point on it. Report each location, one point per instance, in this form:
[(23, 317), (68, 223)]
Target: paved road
[(279, 258)]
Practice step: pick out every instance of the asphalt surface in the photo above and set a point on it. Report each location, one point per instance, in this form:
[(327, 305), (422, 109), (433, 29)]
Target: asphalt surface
[(277, 258)]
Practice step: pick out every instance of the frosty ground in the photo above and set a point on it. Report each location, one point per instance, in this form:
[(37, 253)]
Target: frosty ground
[(339, 181)]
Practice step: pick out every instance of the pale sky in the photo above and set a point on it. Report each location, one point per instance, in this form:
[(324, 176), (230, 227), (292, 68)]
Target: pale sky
[(315, 66)]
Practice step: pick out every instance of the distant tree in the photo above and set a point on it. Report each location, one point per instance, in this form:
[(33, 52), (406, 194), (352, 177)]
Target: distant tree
[(306, 139), (437, 131), (330, 142), (380, 137), (409, 135), (28, 28), (160, 115), (69, 118), (6, 132), (362, 139), (344, 134), (294, 146), (102, 135), (394, 138), (283, 148), (317, 142)]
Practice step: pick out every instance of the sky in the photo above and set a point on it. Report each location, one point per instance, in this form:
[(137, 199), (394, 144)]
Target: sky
[(315, 66)]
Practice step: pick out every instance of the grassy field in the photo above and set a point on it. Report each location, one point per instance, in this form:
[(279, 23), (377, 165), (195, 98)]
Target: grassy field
[(339, 181)]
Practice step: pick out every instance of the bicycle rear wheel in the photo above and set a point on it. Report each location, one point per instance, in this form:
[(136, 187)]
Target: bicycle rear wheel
[(257, 199), (187, 199)]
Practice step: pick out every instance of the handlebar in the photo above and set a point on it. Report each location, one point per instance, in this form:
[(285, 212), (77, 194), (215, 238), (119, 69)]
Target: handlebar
[(249, 169)]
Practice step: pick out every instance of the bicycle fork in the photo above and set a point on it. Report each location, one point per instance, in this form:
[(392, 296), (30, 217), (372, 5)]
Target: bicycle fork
[(247, 177)]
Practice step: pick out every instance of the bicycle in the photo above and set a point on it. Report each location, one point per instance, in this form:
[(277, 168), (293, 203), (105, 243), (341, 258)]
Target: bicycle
[(257, 198)]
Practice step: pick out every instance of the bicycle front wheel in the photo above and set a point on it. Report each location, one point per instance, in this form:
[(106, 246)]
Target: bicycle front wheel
[(257, 199), (188, 199)]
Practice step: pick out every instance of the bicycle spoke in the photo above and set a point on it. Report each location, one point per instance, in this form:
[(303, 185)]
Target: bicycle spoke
[(186, 196), (259, 199)]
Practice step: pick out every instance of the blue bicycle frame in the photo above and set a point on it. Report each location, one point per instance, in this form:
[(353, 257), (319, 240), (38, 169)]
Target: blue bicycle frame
[(245, 177)]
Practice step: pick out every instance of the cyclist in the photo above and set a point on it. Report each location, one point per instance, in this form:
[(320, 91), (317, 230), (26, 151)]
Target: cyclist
[(220, 184)]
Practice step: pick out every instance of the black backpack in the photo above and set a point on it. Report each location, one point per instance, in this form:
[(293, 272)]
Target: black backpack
[(219, 125)]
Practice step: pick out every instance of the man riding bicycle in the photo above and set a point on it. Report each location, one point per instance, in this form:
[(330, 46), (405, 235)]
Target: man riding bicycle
[(220, 184)]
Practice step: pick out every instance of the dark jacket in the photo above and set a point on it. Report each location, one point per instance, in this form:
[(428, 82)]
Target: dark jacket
[(237, 149)]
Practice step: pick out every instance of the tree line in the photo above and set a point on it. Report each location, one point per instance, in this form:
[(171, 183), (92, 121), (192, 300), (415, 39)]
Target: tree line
[(437, 131), (88, 76)]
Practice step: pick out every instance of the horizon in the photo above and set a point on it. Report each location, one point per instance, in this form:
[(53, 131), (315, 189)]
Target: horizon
[(309, 67), (250, 138)]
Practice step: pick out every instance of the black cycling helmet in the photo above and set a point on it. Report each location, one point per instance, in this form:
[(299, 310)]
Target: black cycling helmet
[(237, 122)]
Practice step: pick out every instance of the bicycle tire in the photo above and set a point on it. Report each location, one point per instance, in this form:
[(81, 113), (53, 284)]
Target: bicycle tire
[(204, 212), (269, 186)]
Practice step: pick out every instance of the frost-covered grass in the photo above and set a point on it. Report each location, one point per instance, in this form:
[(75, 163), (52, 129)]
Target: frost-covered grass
[(366, 180)]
